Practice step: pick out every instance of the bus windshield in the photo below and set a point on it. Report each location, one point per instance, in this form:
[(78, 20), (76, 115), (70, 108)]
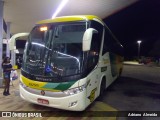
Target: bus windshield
[(55, 50)]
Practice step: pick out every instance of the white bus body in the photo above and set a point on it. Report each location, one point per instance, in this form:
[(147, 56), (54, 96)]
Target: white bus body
[(69, 61)]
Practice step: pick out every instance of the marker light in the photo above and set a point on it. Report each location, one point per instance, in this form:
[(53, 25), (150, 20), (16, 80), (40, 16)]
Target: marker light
[(43, 29), (60, 8)]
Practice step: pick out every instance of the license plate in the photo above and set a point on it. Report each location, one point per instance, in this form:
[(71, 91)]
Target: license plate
[(42, 101)]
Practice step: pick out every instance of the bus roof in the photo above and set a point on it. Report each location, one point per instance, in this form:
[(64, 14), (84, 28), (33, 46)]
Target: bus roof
[(69, 19)]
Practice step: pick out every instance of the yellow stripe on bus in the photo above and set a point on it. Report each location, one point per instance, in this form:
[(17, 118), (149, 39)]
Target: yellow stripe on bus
[(69, 18), (36, 85)]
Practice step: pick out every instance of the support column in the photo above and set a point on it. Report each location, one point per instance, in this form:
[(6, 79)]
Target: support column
[(1, 39), (8, 37), (13, 56)]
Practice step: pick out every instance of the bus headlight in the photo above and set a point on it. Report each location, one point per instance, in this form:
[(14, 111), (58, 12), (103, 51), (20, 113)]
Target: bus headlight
[(75, 90), (23, 85)]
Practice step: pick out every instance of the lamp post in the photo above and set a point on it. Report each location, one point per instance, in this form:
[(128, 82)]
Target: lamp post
[(139, 43)]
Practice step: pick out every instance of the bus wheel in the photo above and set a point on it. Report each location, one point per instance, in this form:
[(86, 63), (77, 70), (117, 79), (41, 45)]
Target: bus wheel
[(102, 89)]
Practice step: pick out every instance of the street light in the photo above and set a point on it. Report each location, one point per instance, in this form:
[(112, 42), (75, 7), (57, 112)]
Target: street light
[(139, 43)]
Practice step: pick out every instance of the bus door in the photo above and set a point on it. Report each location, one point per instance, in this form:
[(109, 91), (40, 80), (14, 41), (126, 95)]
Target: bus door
[(92, 66), (93, 80)]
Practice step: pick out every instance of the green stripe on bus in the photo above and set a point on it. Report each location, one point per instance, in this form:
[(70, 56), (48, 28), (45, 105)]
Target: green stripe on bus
[(65, 85), (51, 85), (59, 86)]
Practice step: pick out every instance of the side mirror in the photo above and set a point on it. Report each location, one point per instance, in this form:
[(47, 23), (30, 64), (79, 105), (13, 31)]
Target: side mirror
[(13, 39), (87, 38)]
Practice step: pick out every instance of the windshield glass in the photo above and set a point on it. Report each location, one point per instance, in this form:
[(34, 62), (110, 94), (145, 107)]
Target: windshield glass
[(55, 50)]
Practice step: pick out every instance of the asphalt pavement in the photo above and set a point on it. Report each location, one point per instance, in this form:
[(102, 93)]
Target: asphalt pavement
[(138, 89)]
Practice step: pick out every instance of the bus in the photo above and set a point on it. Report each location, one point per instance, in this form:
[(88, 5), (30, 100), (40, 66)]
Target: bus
[(69, 61)]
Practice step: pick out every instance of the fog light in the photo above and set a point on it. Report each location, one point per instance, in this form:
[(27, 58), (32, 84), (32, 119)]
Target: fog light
[(72, 104)]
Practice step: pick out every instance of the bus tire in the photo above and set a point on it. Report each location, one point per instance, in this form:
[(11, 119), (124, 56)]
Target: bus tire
[(102, 89)]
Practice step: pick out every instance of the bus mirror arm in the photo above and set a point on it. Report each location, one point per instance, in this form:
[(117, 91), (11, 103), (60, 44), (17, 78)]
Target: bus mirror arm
[(87, 38), (13, 39)]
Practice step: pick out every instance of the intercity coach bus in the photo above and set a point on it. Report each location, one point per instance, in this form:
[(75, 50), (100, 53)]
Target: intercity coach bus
[(69, 61)]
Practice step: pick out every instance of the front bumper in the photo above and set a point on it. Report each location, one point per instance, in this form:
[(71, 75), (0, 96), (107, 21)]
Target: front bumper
[(76, 102)]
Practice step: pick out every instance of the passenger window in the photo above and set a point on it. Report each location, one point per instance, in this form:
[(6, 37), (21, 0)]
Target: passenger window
[(93, 56)]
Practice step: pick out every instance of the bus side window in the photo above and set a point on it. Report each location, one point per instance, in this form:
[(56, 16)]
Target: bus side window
[(95, 45), (111, 44), (108, 42), (94, 52)]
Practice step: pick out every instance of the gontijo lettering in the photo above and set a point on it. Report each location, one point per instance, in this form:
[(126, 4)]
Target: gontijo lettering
[(34, 84)]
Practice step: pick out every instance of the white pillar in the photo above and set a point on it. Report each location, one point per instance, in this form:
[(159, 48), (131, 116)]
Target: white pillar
[(8, 37), (13, 57), (1, 39)]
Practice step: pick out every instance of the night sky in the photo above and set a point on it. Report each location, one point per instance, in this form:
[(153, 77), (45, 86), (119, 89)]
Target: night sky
[(140, 21)]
